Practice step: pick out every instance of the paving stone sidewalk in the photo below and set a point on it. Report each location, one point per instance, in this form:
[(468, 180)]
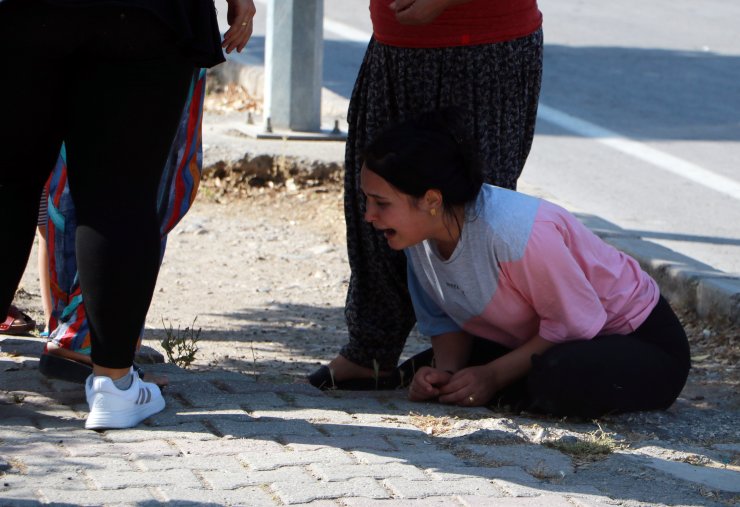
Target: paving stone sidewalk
[(229, 439)]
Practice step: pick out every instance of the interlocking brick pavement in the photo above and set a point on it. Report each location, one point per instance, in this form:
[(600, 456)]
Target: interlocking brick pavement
[(300, 451)]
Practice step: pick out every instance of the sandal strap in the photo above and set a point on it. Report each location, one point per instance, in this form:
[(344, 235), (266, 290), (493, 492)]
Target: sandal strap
[(8, 323)]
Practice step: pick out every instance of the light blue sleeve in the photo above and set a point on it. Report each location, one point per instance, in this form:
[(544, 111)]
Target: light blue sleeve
[(431, 320)]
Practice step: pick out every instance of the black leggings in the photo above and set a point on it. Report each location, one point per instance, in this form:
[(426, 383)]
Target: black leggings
[(644, 370), (109, 82)]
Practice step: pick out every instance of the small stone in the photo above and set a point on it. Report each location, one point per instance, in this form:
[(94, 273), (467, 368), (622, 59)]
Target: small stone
[(541, 435), (567, 439)]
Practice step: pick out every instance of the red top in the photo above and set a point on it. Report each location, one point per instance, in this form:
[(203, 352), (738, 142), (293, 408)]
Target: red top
[(467, 24)]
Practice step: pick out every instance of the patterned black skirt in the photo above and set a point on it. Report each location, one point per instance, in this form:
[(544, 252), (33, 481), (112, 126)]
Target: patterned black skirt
[(496, 87)]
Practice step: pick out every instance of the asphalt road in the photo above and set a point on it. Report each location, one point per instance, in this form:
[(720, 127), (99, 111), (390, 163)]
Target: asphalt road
[(639, 117)]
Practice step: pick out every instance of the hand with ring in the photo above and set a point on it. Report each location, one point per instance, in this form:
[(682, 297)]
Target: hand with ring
[(473, 386), (239, 16)]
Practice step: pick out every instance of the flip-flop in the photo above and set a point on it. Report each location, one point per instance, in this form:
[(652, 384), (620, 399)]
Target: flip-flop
[(322, 379), (62, 368), (17, 322)]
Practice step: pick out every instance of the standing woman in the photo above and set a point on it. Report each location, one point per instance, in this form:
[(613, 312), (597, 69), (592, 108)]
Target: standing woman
[(483, 56), (110, 79), (67, 353)]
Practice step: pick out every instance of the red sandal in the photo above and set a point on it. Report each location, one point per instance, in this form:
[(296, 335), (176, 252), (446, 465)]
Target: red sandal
[(17, 322)]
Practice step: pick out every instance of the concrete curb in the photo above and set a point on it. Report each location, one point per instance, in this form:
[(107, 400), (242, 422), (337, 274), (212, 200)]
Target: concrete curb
[(710, 293)]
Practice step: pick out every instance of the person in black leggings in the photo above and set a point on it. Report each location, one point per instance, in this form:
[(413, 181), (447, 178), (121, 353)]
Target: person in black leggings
[(110, 81)]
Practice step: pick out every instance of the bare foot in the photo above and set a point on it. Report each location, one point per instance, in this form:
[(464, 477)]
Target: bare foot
[(344, 369), (54, 349), (160, 380)]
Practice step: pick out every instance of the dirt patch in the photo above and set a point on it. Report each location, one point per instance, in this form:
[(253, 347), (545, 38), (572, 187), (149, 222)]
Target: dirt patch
[(714, 380)]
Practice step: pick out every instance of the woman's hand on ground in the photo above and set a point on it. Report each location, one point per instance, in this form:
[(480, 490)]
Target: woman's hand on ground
[(240, 17), (420, 12), (470, 387), (426, 383)]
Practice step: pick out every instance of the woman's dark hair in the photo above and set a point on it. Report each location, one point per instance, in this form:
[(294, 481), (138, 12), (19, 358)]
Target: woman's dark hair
[(428, 152)]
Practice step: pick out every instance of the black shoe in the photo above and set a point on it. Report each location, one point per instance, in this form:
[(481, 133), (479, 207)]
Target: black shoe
[(322, 379), (410, 366)]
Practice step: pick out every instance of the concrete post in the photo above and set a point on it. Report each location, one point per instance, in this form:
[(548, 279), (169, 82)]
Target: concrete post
[(294, 64)]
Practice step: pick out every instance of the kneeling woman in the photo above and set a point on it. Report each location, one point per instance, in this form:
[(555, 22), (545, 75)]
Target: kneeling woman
[(525, 306)]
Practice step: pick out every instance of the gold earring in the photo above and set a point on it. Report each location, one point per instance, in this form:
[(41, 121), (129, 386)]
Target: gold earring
[(433, 212)]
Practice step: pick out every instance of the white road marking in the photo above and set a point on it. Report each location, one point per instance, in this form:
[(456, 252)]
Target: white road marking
[(641, 151)]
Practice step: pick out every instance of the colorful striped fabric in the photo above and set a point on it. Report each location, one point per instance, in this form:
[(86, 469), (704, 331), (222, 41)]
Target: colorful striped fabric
[(177, 190)]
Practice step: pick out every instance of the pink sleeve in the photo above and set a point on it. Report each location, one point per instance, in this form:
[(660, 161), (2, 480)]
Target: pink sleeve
[(549, 277)]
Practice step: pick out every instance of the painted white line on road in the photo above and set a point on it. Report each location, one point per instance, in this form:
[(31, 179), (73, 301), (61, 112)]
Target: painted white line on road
[(641, 151)]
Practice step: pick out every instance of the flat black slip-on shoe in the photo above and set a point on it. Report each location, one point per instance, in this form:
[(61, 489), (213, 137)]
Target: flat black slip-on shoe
[(322, 379)]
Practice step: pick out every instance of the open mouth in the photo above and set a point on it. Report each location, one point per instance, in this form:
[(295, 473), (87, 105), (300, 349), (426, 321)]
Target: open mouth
[(388, 233)]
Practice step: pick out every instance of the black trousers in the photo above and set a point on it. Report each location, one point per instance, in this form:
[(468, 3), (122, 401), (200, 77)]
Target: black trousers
[(110, 82), (497, 86), (644, 370)]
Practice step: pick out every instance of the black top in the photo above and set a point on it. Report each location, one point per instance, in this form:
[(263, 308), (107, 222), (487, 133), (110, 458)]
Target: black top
[(194, 22)]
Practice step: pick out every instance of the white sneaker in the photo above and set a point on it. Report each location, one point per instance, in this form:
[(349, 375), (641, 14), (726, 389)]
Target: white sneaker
[(111, 407), (89, 389)]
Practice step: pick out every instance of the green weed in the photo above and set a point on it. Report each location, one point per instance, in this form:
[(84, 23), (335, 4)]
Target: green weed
[(181, 346)]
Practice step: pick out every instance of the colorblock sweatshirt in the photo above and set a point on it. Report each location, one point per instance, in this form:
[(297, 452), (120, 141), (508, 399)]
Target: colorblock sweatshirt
[(524, 266)]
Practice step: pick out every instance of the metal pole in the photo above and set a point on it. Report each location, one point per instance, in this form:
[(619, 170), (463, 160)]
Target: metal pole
[(294, 64)]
